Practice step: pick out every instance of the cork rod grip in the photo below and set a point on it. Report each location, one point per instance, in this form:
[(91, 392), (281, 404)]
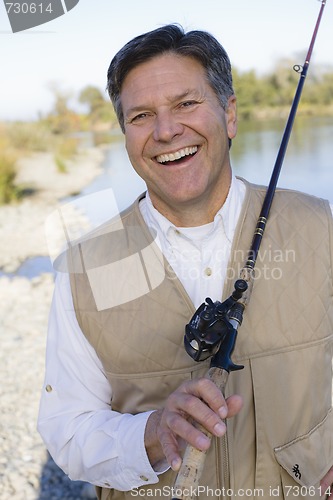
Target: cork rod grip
[(188, 477)]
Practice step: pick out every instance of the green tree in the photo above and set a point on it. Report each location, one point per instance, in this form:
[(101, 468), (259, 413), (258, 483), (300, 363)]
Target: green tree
[(100, 110), (252, 92), (61, 119)]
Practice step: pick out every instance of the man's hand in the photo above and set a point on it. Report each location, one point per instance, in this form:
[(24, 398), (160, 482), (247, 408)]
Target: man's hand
[(199, 400), (326, 483)]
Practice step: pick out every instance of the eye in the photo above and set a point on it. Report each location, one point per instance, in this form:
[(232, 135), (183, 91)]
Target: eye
[(187, 104), (139, 117)]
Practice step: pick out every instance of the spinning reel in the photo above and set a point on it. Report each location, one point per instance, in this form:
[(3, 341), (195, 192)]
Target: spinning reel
[(213, 328)]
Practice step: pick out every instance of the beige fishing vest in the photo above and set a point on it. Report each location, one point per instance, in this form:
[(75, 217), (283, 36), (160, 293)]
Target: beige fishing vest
[(133, 310)]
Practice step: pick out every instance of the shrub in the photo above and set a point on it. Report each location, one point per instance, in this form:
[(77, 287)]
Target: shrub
[(8, 190), (65, 149), (29, 136)]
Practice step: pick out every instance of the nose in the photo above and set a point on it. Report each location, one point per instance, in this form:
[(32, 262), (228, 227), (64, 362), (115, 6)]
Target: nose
[(166, 127)]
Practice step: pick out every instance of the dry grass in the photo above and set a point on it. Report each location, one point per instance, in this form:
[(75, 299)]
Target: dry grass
[(18, 140)]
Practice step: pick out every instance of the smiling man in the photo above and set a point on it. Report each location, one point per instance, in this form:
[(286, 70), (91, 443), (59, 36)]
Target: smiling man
[(121, 393)]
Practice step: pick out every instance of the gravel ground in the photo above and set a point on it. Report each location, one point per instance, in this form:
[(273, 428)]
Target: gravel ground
[(27, 472)]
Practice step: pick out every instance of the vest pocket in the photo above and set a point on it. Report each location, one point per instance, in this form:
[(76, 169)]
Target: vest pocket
[(305, 461)]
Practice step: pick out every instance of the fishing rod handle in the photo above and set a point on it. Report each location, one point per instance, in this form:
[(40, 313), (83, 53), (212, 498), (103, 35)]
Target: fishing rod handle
[(188, 477)]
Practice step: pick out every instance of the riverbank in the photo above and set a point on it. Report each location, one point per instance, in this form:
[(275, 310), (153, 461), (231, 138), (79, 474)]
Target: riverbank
[(26, 470), (22, 224)]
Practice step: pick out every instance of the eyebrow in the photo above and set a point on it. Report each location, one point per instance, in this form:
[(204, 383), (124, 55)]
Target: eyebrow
[(187, 93), (171, 99)]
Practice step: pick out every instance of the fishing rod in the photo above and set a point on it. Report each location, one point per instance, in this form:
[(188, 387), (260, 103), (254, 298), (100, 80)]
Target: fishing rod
[(212, 331)]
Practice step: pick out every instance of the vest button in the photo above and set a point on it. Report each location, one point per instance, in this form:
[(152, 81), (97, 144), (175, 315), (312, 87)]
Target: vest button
[(143, 478)]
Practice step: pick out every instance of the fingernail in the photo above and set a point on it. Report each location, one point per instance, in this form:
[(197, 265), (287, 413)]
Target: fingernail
[(202, 442), (175, 464), (219, 429), (223, 412)]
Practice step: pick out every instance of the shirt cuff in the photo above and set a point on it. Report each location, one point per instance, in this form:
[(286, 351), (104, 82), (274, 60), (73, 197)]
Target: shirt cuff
[(136, 469)]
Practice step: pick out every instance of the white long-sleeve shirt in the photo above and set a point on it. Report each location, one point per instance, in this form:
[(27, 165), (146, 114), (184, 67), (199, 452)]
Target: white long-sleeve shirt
[(88, 440)]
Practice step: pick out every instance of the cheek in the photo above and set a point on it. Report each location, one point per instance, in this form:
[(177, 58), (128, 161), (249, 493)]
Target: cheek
[(130, 145), (213, 125), (135, 144), (218, 140)]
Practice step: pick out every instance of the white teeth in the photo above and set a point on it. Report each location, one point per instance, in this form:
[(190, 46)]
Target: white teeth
[(177, 155)]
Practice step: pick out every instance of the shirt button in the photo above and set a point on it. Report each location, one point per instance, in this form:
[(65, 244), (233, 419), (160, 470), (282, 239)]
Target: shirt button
[(48, 388), (208, 271), (143, 478)]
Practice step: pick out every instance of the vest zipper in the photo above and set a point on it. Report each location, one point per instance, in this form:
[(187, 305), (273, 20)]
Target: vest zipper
[(222, 468), (225, 483)]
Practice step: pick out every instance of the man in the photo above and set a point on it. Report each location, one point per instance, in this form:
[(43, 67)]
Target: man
[(120, 391)]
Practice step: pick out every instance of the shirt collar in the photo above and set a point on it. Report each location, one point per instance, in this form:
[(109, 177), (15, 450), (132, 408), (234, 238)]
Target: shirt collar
[(230, 210), (225, 217)]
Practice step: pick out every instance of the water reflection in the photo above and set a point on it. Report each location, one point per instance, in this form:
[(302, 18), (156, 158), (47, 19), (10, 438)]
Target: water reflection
[(308, 162)]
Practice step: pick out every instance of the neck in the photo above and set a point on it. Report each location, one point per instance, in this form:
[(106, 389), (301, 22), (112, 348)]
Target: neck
[(193, 214), (193, 217)]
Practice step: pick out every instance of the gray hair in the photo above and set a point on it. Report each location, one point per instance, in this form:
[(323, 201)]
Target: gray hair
[(172, 38)]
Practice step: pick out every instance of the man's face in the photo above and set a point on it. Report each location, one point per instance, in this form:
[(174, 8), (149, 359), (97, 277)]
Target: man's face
[(177, 137)]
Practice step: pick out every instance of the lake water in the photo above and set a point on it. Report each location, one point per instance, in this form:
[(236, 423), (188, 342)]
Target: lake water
[(308, 164)]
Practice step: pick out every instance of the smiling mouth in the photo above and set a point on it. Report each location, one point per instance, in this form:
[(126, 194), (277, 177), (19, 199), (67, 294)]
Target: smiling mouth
[(177, 156)]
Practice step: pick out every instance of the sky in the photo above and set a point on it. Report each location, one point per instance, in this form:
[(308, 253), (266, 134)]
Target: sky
[(74, 50)]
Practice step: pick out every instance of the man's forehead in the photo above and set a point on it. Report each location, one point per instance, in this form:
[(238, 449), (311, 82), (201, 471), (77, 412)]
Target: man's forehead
[(174, 76), (166, 61)]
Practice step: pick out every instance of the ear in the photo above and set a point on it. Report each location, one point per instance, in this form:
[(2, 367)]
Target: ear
[(231, 113)]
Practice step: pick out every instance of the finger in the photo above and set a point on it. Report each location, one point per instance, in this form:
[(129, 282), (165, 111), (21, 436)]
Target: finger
[(205, 390), (184, 429), (235, 404), (187, 431), (213, 397), (193, 407), (170, 449)]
